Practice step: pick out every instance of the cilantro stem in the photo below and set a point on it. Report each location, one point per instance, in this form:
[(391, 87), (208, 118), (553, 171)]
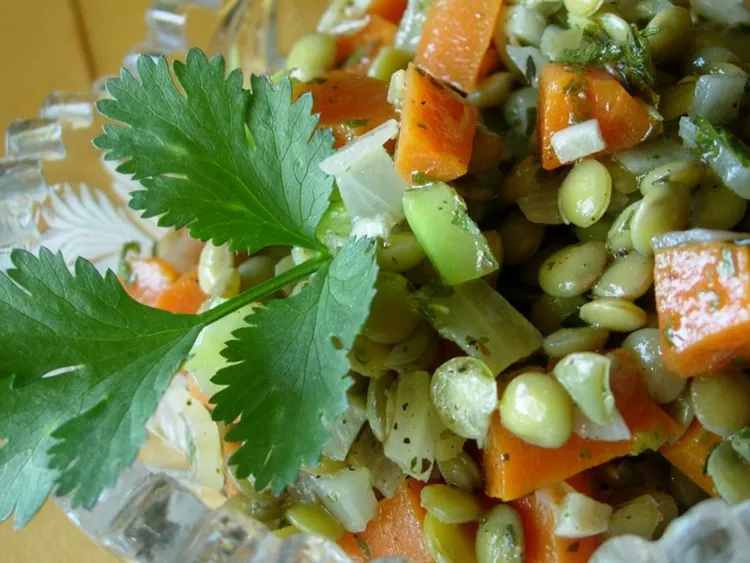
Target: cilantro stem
[(266, 288)]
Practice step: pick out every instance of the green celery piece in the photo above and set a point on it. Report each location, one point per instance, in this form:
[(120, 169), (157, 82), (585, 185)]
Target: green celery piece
[(453, 242), (480, 321), (114, 359), (291, 370), (230, 164), (410, 29)]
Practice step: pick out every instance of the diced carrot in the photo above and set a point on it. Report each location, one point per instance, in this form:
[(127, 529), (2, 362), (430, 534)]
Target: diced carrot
[(391, 10), (437, 129), (541, 543), (514, 468), (455, 38), (689, 455), (350, 103), (395, 531), (703, 301), (151, 277), (490, 61), (569, 95), (183, 296), (364, 45)]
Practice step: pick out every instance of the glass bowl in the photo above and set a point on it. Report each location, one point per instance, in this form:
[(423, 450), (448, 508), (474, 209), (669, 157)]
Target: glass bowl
[(56, 191)]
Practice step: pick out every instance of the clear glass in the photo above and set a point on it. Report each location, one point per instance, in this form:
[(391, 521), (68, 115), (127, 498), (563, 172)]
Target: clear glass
[(55, 191)]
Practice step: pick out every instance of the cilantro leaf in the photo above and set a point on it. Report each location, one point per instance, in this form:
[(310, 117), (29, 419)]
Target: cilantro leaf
[(292, 366), (81, 365), (230, 164)]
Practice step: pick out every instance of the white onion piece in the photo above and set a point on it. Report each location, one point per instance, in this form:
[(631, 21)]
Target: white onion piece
[(344, 431), (348, 495), (396, 89), (649, 155), (717, 97), (721, 158), (577, 141), (580, 516), (554, 495), (344, 17), (372, 187), (729, 12), (373, 227), (615, 430), (348, 155), (528, 58), (693, 236), (186, 424)]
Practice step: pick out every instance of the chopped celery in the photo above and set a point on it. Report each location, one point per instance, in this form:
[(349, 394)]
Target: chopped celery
[(205, 356), (412, 22), (335, 226), (388, 61), (412, 438), (437, 216), (480, 321)]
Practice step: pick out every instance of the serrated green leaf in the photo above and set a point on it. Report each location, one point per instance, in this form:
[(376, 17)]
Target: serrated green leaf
[(229, 164), (28, 415), (83, 367), (291, 369)]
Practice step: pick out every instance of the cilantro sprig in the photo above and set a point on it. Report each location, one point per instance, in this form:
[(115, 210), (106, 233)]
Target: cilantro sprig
[(83, 366), (630, 61)]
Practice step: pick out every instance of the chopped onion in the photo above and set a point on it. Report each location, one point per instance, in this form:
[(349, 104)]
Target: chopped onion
[(348, 495), (396, 89), (373, 227), (367, 452), (372, 188), (413, 435), (353, 152), (720, 157), (344, 431), (649, 155), (344, 17), (731, 12), (717, 97), (693, 236), (616, 430), (529, 62), (183, 422), (577, 141), (303, 491), (580, 516)]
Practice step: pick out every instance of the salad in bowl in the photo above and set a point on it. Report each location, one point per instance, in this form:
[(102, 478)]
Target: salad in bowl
[(465, 281)]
